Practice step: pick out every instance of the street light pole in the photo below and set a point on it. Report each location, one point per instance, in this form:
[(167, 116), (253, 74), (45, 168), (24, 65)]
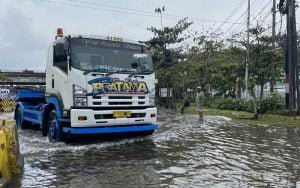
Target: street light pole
[(248, 52), (273, 82)]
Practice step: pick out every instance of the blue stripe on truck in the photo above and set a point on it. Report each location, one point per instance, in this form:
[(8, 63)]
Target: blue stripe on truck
[(108, 130)]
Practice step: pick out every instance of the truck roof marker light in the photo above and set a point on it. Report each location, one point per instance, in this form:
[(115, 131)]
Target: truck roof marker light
[(60, 32)]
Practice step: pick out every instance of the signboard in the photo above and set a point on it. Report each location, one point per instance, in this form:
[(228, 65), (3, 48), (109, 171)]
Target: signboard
[(163, 92)]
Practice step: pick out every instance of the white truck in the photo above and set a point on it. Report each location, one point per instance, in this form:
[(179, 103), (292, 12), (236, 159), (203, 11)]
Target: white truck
[(94, 85)]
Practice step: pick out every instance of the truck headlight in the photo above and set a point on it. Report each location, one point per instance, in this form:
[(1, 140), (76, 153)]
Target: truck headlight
[(152, 97), (152, 100), (79, 96)]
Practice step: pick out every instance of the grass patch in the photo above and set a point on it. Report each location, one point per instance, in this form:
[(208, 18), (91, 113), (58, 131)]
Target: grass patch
[(247, 117)]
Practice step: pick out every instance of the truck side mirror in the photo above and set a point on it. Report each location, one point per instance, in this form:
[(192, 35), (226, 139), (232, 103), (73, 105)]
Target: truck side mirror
[(168, 57), (59, 53), (60, 57)]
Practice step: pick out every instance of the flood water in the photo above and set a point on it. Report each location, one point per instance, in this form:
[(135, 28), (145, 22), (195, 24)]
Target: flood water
[(182, 153)]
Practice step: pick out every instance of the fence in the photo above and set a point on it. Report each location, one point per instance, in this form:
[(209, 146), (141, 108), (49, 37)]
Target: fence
[(7, 103)]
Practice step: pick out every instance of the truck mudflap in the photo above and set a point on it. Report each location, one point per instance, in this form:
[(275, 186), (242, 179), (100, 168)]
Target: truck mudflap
[(110, 130)]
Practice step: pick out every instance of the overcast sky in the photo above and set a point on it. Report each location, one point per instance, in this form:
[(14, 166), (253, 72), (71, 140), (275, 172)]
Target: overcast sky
[(27, 27)]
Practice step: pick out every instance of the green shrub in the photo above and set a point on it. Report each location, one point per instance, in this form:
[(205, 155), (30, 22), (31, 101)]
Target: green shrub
[(231, 104), (272, 103)]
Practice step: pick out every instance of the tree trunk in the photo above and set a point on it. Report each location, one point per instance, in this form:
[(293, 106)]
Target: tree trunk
[(255, 109), (261, 90)]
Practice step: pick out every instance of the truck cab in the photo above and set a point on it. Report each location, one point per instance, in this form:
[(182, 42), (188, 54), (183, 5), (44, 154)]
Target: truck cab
[(97, 85)]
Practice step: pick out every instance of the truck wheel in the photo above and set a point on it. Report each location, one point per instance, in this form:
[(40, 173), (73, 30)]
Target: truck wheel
[(54, 128), (21, 124), (18, 119)]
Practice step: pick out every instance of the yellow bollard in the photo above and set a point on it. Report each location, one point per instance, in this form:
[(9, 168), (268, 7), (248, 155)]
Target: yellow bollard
[(4, 169), (9, 150)]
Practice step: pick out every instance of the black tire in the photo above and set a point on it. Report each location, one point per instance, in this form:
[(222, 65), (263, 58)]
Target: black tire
[(21, 124), (45, 123), (54, 127), (44, 130)]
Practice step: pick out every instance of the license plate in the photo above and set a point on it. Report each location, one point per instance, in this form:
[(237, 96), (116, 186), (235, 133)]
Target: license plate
[(121, 114)]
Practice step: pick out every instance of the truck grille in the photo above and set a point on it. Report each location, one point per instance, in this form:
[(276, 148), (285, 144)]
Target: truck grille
[(118, 100), (119, 97), (120, 103), (110, 116)]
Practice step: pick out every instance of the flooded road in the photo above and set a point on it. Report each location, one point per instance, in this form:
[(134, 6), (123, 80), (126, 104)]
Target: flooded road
[(183, 153)]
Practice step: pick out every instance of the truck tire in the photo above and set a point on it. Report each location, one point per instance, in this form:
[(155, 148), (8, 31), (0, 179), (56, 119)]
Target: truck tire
[(45, 122), (54, 127), (21, 124)]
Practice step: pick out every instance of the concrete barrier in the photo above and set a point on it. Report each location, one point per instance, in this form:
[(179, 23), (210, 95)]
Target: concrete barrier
[(10, 159)]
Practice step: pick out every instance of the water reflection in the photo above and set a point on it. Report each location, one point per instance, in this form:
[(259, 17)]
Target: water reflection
[(183, 153), (218, 153), (111, 164)]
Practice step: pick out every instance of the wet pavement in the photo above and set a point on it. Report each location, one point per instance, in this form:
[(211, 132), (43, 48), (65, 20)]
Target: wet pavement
[(182, 153)]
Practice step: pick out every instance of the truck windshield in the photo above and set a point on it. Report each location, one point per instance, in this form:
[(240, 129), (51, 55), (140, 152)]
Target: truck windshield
[(110, 56)]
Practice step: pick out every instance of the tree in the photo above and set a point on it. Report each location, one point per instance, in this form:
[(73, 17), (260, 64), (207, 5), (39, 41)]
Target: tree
[(262, 55), (219, 65), (226, 67), (170, 36)]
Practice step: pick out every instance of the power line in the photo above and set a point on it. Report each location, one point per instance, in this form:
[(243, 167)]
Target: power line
[(259, 13), (109, 6), (256, 5), (242, 2), (263, 19), (254, 18), (242, 15), (142, 13), (262, 10), (149, 12)]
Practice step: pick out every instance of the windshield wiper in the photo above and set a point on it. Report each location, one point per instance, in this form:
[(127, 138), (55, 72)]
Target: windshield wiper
[(120, 71), (95, 70), (140, 73), (127, 71)]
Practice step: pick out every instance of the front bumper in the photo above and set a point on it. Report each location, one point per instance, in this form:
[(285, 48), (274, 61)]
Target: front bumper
[(92, 119), (110, 130)]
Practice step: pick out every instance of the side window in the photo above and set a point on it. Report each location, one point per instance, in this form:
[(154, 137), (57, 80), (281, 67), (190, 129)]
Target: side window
[(60, 57)]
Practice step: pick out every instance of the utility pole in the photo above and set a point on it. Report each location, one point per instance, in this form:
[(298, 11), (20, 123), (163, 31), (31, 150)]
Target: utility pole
[(273, 82), (293, 50), (296, 94), (248, 52), (292, 79), (292, 55)]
